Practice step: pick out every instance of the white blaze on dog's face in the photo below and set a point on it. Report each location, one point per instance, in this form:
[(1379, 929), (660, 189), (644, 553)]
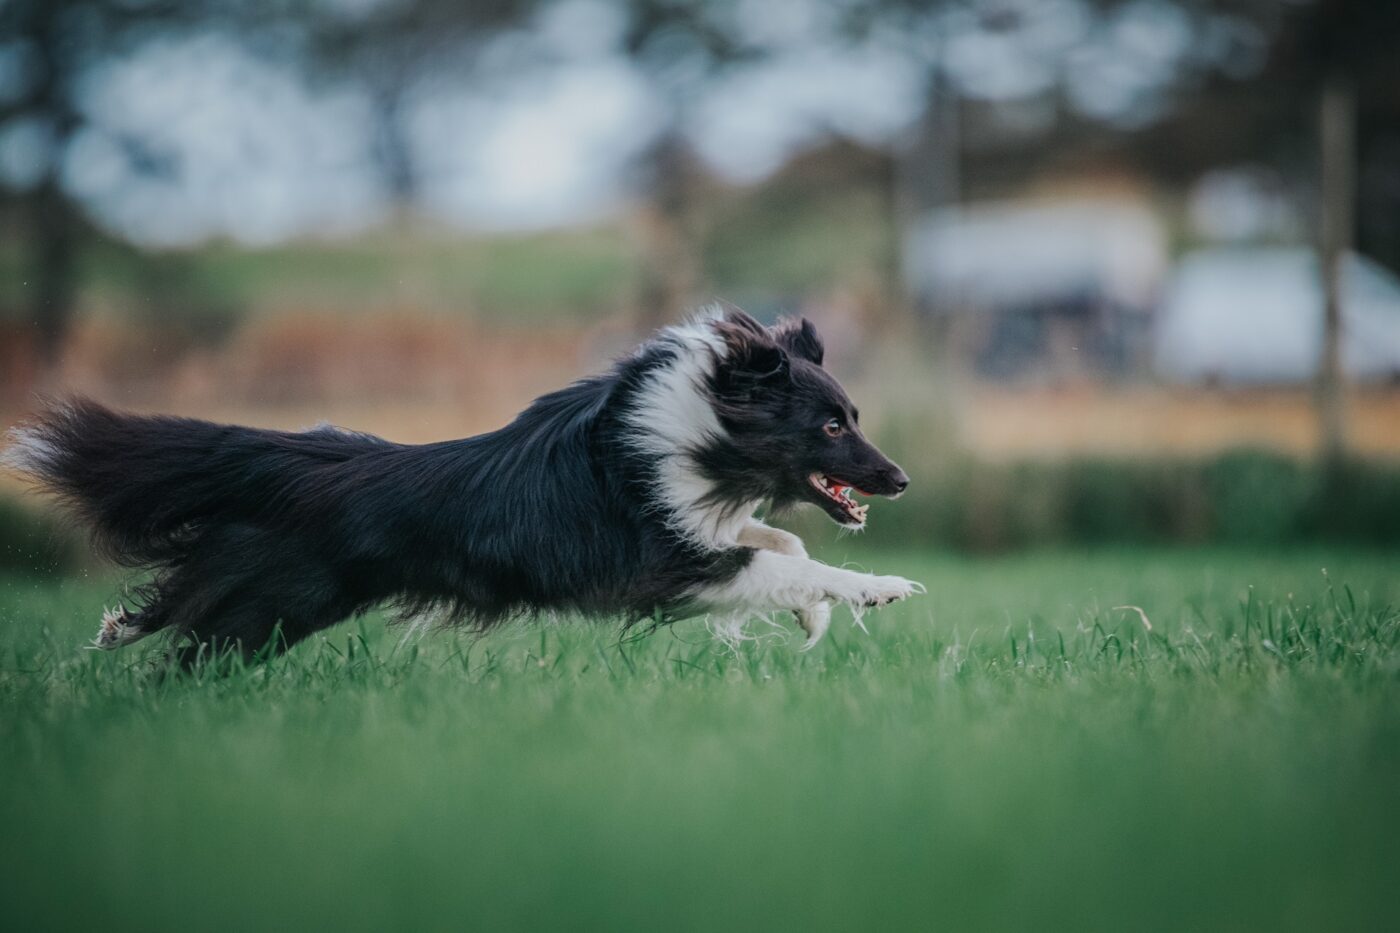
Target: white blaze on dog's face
[(745, 414)]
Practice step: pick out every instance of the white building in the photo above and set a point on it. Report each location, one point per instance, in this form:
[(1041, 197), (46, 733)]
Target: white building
[(1250, 315), (1016, 253), (1042, 288)]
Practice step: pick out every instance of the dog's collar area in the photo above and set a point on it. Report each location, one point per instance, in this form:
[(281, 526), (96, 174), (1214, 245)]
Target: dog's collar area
[(840, 493)]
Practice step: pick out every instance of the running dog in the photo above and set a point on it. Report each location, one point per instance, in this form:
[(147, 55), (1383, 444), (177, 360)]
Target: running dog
[(629, 494)]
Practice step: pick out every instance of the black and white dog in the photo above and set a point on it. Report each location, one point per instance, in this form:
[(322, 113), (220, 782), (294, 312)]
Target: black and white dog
[(627, 493)]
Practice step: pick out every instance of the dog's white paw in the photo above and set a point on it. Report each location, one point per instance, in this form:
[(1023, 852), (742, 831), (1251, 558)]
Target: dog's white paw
[(872, 592), (815, 620), (116, 630)]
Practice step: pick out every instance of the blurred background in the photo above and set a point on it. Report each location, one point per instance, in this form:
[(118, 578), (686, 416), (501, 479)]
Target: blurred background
[(1099, 272)]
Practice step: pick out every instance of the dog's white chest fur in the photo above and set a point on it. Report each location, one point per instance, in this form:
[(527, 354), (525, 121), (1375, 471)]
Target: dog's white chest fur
[(671, 419)]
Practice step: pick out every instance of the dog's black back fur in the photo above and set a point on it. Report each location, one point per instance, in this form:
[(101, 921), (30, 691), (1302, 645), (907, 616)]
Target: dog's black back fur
[(252, 532)]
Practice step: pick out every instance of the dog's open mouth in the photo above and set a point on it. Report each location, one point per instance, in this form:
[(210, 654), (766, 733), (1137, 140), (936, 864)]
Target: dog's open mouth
[(842, 494)]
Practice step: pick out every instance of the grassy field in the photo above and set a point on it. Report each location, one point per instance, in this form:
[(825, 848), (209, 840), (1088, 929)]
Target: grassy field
[(1008, 751)]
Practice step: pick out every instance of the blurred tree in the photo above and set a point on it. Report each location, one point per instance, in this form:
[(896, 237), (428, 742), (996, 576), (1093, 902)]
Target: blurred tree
[(681, 46), (1245, 81), (389, 49), (49, 45), (1088, 72), (49, 48), (1328, 79), (1350, 55)]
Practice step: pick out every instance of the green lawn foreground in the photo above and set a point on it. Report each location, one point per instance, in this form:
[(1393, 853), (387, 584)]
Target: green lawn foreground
[(1008, 751)]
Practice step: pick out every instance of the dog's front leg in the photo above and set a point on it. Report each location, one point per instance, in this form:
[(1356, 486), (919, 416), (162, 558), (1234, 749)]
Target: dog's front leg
[(755, 534), (773, 581)]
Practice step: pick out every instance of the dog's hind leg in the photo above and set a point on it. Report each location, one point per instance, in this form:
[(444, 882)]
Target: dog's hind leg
[(266, 616), (255, 627), (248, 592)]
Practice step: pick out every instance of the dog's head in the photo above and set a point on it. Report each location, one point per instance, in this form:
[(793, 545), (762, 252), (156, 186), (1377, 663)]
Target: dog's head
[(794, 433)]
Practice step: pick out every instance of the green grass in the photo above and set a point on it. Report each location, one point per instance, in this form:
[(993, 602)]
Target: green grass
[(1007, 751)]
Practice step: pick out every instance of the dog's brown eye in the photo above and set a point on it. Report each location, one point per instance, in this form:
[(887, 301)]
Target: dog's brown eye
[(832, 428)]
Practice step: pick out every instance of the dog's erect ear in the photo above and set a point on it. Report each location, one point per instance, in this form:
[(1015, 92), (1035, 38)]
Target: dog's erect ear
[(753, 357), (737, 322), (762, 362), (799, 337)]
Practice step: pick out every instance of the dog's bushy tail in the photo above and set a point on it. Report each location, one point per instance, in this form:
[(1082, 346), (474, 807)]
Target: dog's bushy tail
[(149, 486)]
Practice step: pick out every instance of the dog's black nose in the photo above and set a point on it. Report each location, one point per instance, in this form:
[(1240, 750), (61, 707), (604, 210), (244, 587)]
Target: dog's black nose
[(900, 481)]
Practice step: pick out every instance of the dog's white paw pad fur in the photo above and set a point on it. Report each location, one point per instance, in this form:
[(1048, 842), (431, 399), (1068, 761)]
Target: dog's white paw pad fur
[(116, 630)]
